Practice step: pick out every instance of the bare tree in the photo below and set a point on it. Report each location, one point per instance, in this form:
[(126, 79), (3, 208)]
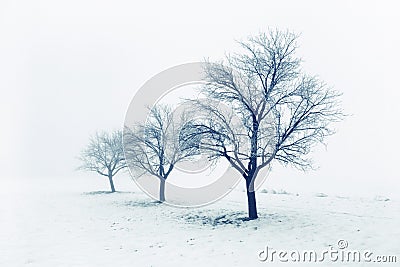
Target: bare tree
[(104, 155), (282, 112), (155, 147)]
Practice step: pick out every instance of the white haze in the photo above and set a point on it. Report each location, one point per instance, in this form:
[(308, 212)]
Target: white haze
[(69, 68)]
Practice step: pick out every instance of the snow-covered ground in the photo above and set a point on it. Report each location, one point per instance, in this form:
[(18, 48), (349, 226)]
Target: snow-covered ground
[(64, 222)]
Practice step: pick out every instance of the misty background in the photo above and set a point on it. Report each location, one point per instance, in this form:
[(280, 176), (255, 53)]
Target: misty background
[(70, 68)]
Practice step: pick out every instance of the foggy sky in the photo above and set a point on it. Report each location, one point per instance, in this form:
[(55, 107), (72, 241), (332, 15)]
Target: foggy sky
[(69, 68)]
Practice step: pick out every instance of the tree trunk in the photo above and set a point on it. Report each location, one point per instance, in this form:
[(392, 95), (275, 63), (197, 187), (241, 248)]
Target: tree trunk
[(110, 178), (162, 189), (251, 199)]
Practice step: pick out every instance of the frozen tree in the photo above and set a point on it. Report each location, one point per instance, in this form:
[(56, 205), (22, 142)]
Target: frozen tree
[(155, 147), (281, 112), (104, 155)]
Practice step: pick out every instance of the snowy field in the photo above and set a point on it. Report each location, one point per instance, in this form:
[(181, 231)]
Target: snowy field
[(67, 223)]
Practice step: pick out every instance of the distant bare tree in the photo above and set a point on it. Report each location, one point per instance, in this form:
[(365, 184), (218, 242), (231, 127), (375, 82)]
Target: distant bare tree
[(156, 147), (104, 155), (282, 112)]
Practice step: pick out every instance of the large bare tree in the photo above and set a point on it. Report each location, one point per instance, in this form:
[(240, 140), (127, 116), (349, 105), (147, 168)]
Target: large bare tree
[(281, 112), (104, 155), (155, 147)]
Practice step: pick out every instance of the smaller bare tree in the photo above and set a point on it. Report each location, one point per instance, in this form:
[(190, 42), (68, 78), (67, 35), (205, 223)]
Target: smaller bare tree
[(155, 147), (104, 155)]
